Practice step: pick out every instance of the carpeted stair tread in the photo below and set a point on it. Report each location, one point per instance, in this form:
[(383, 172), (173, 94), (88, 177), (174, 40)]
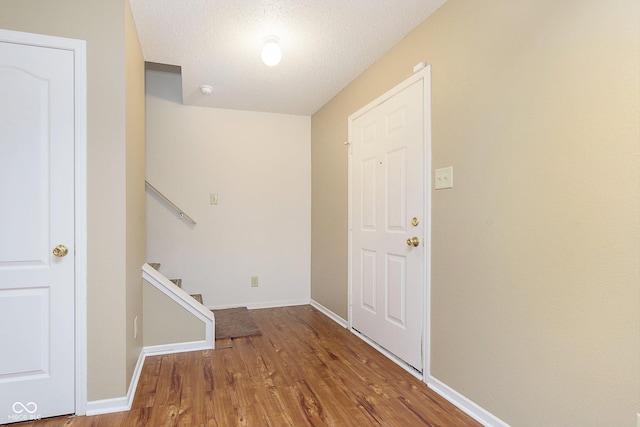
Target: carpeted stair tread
[(197, 297), (155, 265), (177, 282)]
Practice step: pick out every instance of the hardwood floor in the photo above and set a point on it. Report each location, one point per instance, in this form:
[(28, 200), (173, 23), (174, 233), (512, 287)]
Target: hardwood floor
[(304, 370)]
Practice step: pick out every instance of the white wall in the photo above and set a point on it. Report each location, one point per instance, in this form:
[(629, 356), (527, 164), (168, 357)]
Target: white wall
[(260, 166)]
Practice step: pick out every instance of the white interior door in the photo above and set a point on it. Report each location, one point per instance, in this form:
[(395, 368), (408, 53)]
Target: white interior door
[(37, 335), (387, 208)]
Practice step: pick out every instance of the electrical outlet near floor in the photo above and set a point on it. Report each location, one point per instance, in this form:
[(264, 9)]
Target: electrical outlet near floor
[(254, 281)]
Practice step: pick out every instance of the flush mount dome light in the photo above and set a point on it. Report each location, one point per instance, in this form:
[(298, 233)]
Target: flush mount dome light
[(271, 54)]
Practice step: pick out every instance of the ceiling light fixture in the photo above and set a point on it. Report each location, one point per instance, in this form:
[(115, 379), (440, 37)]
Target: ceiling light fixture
[(271, 54)]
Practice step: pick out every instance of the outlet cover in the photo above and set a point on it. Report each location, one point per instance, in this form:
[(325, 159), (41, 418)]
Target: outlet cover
[(254, 281), (135, 327)]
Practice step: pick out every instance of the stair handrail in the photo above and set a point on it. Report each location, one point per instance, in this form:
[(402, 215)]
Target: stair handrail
[(180, 212)]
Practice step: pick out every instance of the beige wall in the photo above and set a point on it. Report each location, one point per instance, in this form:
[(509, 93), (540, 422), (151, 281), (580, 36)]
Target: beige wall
[(102, 25), (535, 252), (166, 322), (136, 199)]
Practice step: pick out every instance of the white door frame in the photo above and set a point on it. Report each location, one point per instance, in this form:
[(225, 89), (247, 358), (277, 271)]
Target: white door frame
[(78, 47), (425, 75)]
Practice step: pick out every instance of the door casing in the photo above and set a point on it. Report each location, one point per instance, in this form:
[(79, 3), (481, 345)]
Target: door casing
[(425, 75), (78, 47)]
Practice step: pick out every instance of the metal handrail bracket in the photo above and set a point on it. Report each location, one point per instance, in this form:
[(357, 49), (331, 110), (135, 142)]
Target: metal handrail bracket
[(180, 212)]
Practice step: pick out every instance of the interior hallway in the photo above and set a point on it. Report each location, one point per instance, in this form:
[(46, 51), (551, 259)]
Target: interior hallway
[(304, 370)]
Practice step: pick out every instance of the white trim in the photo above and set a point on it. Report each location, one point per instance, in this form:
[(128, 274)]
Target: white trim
[(107, 406), (183, 299), (181, 347), (79, 49), (476, 412), (349, 229), (426, 336), (135, 377), (119, 404), (266, 304), (424, 75), (80, 55), (330, 314)]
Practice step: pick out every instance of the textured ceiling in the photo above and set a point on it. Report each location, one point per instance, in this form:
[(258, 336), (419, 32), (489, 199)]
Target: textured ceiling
[(325, 45)]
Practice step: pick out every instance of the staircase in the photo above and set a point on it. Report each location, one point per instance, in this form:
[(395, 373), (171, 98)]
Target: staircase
[(177, 282), (177, 298)]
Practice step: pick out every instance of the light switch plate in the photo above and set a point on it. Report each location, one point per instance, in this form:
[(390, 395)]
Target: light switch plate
[(213, 199), (444, 178)]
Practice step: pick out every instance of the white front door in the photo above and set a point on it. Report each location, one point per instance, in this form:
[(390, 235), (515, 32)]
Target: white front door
[(37, 311), (388, 208)]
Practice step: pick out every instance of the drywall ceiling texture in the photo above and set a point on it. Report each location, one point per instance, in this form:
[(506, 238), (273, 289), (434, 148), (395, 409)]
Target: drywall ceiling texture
[(325, 44)]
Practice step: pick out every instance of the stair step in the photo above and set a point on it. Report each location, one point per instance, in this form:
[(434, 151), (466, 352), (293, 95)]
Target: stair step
[(177, 282)]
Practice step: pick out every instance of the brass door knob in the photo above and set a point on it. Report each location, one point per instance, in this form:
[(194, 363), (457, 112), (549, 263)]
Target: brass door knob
[(413, 241), (60, 250)]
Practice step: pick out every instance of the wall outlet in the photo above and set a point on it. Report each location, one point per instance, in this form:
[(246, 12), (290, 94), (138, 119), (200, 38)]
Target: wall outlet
[(135, 327), (254, 281), (638, 421)]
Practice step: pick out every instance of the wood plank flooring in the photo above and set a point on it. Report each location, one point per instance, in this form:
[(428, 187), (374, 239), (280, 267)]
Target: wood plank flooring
[(304, 370)]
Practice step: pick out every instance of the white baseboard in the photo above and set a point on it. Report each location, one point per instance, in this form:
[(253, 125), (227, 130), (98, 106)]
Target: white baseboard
[(155, 350), (133, 386), (119, 404), (476, 412), (266, 304), (330, 314), (107, 406)]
